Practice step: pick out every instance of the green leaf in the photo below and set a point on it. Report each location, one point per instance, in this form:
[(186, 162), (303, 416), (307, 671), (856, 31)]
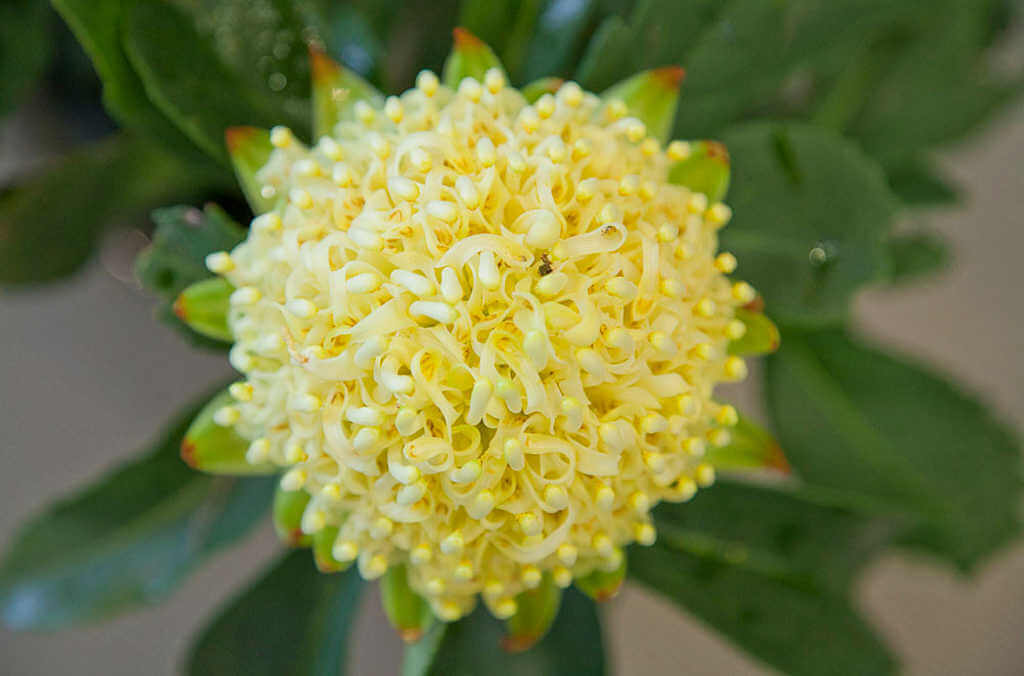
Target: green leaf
[(538, 88), (215, 449), (792, 626), (939, 84), (25, 48), (602, 585), (918, 185), (469, 647), (652, 96), (250, 149), (125, 541), (915, 256), (870, 430), (336, 90), (536, 610), (177, 257), (293, 621), (50, 226), (97, 25), (557, 38), (203, 306), (760, 338), (750, 447), (187, 80), (775, 530), (811, 217), (470, 57)]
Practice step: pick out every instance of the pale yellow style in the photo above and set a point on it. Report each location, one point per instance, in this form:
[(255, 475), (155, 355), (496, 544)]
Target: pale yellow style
[(483, 335)]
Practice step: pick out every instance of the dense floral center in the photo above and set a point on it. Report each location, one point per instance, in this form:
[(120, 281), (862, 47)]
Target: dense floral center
[(483, 335)]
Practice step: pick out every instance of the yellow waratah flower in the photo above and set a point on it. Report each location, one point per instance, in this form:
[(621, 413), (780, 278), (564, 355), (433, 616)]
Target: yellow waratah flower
[(483, 335)]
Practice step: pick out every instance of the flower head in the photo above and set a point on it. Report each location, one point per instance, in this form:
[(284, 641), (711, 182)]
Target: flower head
[(483, 335)]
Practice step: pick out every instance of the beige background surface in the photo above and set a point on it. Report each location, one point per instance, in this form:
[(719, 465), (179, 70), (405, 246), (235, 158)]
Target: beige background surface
[(86, 376)]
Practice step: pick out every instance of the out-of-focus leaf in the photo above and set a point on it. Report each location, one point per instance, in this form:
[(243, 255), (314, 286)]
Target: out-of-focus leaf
[(25, 34), (811, 216), (761, 337), (127, 540), (289, 506), (750, 447), (184, 236), (190, 84), (602, 585), (916, 256), (775, 530), (918, 185), (264, 43), (470, 57), (177, 257), (215, 449), (870, 430), (468, 647), (408, 612), (557, 38), (50, 225), (97, 25), (535, 612), (349, 35), (294, 621), (764, 613), (538, 88), (938, 85)]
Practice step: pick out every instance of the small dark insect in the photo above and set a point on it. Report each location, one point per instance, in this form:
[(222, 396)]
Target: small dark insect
[(545, 265)]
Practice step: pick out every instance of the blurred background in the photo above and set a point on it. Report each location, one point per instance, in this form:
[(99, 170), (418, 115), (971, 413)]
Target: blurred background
[(87, 375)]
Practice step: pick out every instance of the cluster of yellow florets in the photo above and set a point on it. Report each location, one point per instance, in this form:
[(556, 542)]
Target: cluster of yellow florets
[(483, 335)]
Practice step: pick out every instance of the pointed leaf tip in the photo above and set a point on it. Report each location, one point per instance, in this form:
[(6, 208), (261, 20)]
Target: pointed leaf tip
[(213, 448), (706, 169), (250, 148), (538, 88), (470, 57), (321, 66), (535, 613)]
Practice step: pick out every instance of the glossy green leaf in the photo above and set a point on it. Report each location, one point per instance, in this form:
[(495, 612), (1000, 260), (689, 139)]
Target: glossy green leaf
[(97, 25), (708, 170), (750, 447), (915, 256), (25, 48), (294, 621), (811, 217), (187, 80), (336, 90), (791, 625), (407, 611), (470, 646), (177, 257), (249, 149), (871, 430), (761, 337), (470, 57), (51, 225), (265, 47), (652, 96), (775, 530), (289, 506), (203, 306), (215, 449), (126, 540)]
